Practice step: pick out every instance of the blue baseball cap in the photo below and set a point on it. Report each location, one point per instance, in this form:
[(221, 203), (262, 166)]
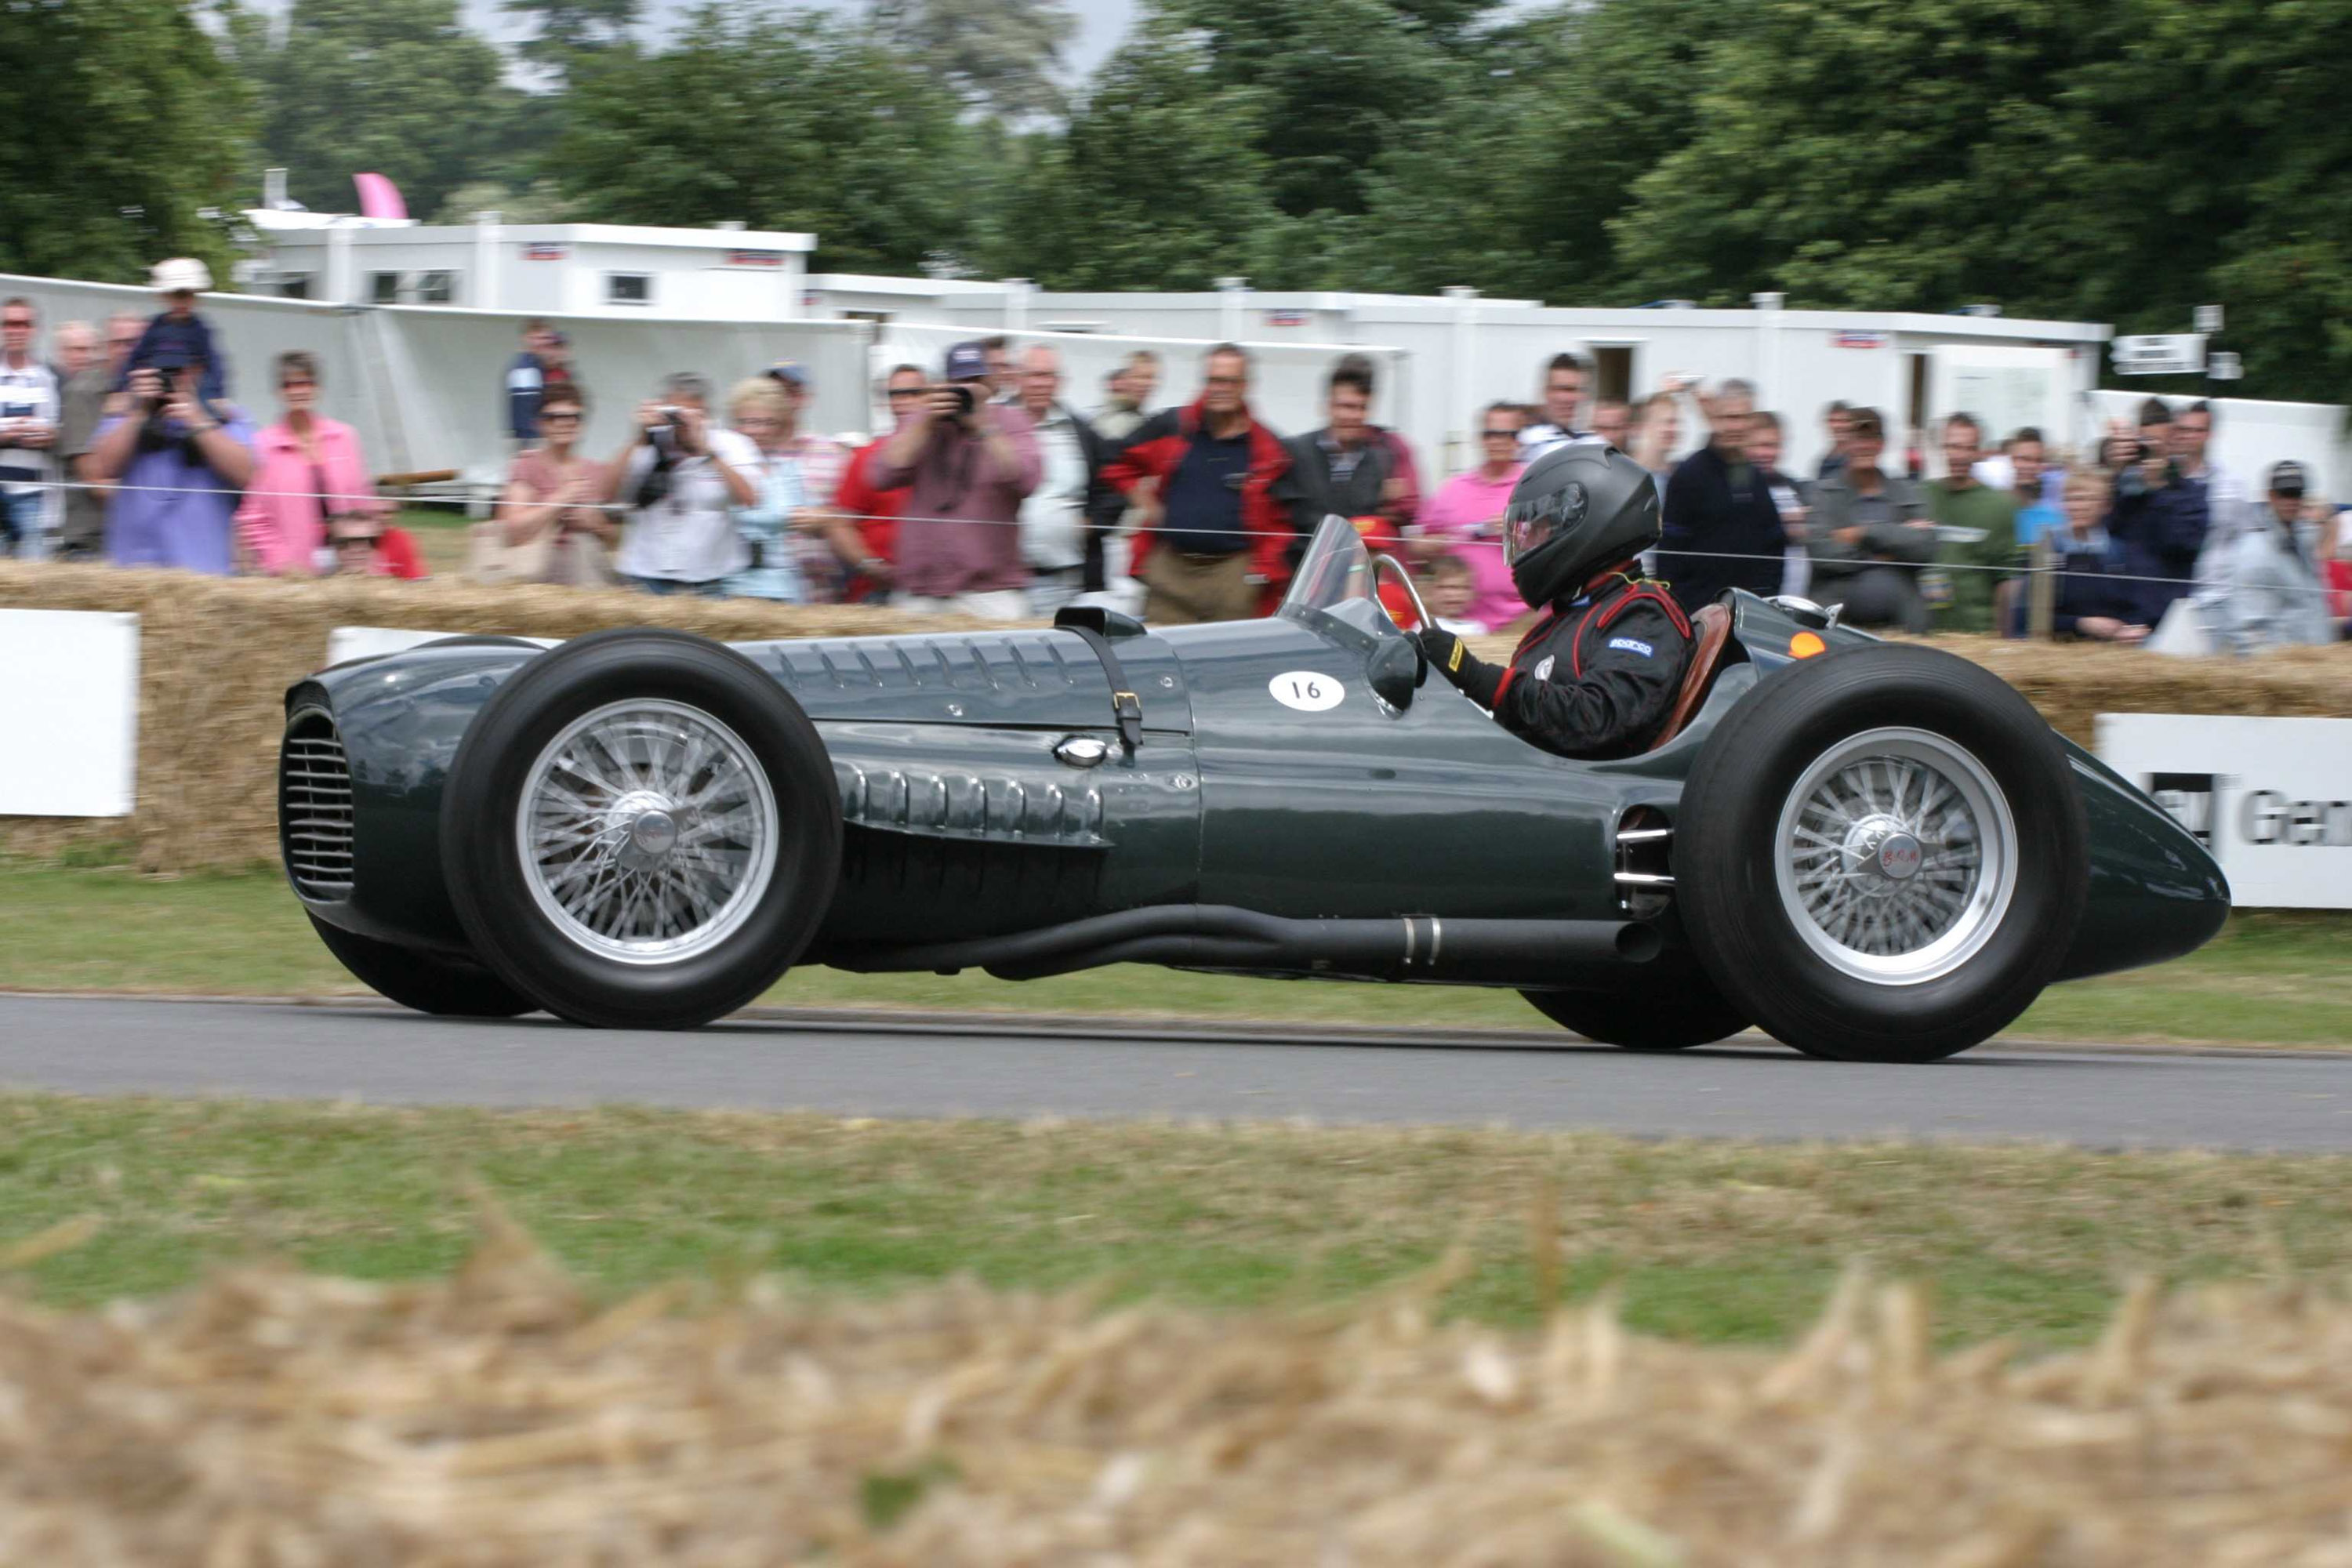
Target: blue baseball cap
[(791, 373), (967, 361)]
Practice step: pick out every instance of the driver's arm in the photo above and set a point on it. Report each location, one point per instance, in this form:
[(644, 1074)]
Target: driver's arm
[(1620, 697)]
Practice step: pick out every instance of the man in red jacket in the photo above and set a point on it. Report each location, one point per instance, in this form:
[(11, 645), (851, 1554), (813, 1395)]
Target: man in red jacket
[(1214, 544)]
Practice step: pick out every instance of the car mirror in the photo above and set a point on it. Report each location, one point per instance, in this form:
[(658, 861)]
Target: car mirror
[(1395, 669)]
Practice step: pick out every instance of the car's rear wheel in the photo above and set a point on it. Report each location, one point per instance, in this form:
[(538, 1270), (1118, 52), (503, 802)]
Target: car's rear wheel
[(1880, 855), (1639, 1023), (428, 981), (641, 830)]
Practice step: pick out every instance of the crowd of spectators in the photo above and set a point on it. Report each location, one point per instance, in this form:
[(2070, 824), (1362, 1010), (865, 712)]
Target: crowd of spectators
[(128, 448), (993, 493)]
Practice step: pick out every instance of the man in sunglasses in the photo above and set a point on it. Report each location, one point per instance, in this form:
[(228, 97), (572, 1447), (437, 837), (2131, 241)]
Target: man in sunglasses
[(1599, 674)]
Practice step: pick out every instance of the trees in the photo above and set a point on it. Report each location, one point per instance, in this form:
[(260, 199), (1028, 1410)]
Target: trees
[(1158, 182), (125, 123), (782, 123), (567, 29), (398, 87), (1004, 56)]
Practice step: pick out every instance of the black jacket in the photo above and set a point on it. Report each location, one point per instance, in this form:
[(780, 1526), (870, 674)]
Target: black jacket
[(1311, 492), (1597, 676), (1706, 514)]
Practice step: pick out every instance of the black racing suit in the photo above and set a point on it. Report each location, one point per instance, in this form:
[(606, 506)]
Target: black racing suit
[(1595, 678)]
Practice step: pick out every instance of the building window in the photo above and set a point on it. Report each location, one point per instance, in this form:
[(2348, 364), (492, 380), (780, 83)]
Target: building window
[(628, 288), (296, 287), (384, 288), (436, 288)]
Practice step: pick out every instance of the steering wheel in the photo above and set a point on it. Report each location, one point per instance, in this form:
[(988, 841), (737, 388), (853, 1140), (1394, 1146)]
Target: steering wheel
[(1382, 561)]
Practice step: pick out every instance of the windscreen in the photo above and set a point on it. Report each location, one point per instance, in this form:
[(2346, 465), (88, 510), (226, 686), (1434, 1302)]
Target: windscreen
[(1336, 569)]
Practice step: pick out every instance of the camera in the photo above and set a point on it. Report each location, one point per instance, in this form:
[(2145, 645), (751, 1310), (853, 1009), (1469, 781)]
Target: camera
[(965, 401), (664, 437)]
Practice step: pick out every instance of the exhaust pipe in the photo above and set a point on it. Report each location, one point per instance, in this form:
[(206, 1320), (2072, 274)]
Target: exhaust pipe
[(1534, 954)]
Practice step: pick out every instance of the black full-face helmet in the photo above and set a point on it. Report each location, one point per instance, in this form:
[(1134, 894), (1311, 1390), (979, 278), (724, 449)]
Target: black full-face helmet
[(1579, 507)]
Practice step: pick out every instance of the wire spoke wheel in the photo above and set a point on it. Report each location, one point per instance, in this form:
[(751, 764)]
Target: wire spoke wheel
[(648, 831), (1896, 856)]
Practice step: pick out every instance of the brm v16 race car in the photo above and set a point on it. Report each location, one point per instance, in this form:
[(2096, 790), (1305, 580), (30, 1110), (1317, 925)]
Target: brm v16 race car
[(1870, 850)]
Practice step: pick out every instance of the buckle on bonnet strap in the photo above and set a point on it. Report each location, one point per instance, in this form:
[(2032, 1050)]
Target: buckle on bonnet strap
[(1126, 707)]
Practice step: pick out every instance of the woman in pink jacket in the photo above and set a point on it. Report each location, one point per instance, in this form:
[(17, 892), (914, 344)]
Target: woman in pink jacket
[(307, 470)]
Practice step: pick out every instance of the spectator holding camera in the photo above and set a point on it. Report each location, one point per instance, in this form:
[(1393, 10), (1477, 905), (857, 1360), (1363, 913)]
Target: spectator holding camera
[(178, 461), (308, 471), (968, 464), (2159, 518), (681, 479), (29, 406)]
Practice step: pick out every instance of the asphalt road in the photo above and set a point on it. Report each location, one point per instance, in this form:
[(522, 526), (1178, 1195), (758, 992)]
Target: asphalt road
[(2101, 1098)]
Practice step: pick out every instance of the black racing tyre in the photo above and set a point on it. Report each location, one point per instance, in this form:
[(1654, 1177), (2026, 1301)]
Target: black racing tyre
[(641, 830), (1880, 855), (428, 981), (1639, 1023)]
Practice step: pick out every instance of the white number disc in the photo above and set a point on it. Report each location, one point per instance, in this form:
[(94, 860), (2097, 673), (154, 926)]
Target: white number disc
[(1306, 691)]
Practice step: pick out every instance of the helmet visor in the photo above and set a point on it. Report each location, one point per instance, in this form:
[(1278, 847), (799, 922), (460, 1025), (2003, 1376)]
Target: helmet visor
[(1529, 525)]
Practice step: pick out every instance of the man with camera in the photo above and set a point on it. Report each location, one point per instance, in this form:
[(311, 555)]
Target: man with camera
[(679, 476), (968, 464), (2159, 520), (179, 461)]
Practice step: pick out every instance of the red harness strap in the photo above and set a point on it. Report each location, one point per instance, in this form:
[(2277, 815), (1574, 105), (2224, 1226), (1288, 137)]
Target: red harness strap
[(1643, 590)]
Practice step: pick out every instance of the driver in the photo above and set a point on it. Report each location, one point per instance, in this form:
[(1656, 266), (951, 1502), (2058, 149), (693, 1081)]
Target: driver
[(1598, 674)]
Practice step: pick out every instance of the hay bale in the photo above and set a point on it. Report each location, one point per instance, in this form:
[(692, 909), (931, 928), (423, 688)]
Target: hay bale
[(218, 655), (500, 1417)]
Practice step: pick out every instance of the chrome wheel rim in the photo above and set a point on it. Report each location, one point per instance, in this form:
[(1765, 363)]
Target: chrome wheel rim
[(1896, 857), (648, 831)]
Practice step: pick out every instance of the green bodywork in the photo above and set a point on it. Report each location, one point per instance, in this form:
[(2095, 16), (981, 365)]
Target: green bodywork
[(963, 821)]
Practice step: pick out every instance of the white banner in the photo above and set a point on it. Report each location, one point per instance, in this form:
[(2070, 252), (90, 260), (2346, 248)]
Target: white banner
[(70, 708), (2267, 797)]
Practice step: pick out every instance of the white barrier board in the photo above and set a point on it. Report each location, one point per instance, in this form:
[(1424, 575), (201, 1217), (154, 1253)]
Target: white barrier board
[(2272, 798), (69, 709), (347, 643)]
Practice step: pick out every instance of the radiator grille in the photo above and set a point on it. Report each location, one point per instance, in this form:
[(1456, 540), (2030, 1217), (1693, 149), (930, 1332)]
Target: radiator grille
[(314, 807)]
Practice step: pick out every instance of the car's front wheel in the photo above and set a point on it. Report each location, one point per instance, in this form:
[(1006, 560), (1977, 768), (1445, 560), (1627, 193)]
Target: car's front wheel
[(641, 829), (1881, 855), (1641, 1023)]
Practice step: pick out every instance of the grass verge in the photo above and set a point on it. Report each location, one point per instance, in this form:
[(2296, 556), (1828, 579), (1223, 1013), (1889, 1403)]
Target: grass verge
[(2270, 978), (1707, 1242)]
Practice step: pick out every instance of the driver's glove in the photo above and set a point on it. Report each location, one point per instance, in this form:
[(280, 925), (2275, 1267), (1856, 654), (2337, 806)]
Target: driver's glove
[(1450, 658)]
